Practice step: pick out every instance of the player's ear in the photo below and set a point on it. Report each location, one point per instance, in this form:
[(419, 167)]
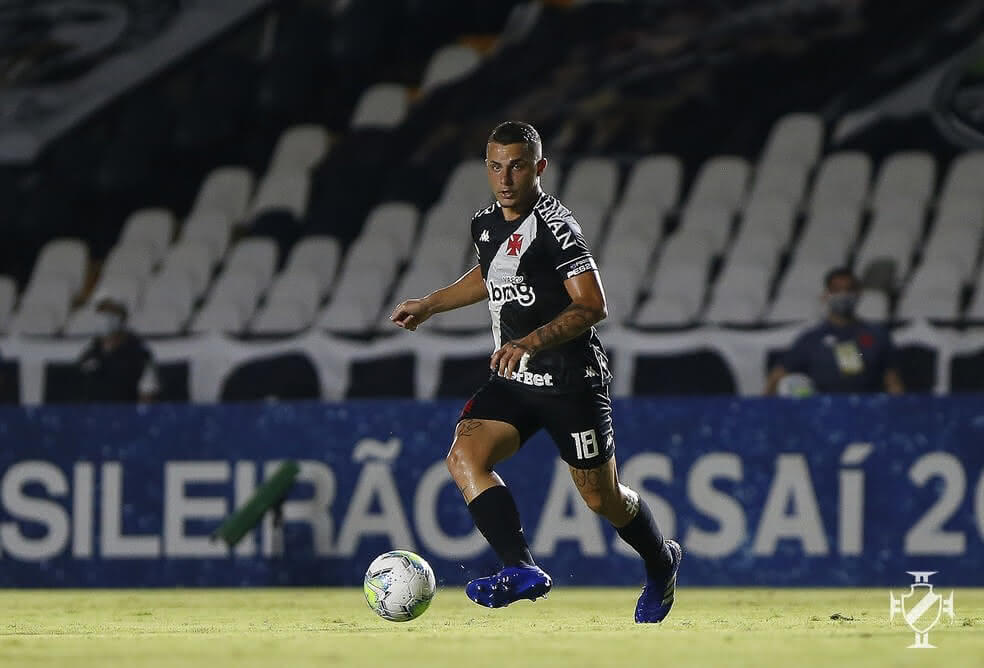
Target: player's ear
[(541, 164)]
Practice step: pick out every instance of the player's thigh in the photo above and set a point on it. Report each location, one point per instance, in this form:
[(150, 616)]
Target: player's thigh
[(580, 424), (492, 426)]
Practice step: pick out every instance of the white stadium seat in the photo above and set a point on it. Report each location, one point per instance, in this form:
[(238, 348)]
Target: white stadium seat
[(191, 259), (211, 229), (8, 297), (284, 190), (280, 318), (636, 223), (448, 64), (873, 305), (123, 289), (907, 174), (302, 289), (153, 228), (240, 289), (591, 181), (35, 320), (720, 182), (66, 259), (842, 181), (136, 262), (49, 292), (667, 311), (256, 256), (954, 247), (958, 214), (468, 319), (225, 189), (220, 317), (963, 180), (740, 294), (932, 292), (784, 181), (383, 105), (794, 137), (591, 219), (299, 149), (316, 254), (395, 221), (654, 182), (468, 186), (84, 322), (157, 321), (713, 223), (756, 248), (769, 216), (174, 292)]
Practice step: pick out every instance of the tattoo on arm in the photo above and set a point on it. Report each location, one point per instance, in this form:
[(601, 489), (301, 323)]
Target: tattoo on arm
[(569, 323), (585, 478)]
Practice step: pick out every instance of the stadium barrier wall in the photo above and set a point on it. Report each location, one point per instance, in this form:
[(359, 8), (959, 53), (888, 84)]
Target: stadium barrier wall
[(212, 358), (819, 491)]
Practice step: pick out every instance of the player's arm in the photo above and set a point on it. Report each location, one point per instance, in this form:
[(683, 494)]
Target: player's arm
[(467, 290), (587, 308)]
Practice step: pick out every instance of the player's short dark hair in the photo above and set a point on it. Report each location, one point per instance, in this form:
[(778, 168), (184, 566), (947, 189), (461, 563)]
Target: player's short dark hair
[(517, 132), (840, 272)]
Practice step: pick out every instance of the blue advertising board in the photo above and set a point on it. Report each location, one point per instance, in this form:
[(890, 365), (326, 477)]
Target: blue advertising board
[(819, 491)]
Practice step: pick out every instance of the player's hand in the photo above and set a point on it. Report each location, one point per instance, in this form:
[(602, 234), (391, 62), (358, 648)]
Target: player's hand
[(410, 314), (509, 358)]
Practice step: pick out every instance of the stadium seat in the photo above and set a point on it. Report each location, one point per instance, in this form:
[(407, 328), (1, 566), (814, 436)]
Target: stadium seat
[(448, 64), (550, 181), (932, 292), (591, 181), (873, 306), (84, 322), (316, 254), (760, 248), (784, 181), (211, 229), (299, 149), (381, 106), (623, 282), (157, 321), (191, 259), (8, 297), (976, 309), (591, 218), (48, 292), (284, 190), (654, 182), (739, 294), (225, 189), (667, 311), (241, 289), (136, 262), (219, 317), (153, 228), (636, 223), (468, 186), (798, 296), (907, 174), (711, 222), (955, 247), (66, 259), (256, 256), (794, 138), (119, 288), (299, 288), (174, 292), (769, 216), (959, 214), (472, 318), (963, 180), (280, 318), (363, 283), (393, 221), (842, 181), (35, 320), (721, 182), (789, 308), (892, 236)]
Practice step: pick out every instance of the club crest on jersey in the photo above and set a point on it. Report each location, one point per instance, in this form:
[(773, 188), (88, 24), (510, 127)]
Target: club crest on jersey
[(515, 244), (511, 292), (484, 236)]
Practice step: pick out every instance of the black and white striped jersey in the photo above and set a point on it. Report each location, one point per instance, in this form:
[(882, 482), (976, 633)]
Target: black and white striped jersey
[(524, 265)]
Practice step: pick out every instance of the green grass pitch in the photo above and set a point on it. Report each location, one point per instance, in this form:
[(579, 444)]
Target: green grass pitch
[(573, 627)]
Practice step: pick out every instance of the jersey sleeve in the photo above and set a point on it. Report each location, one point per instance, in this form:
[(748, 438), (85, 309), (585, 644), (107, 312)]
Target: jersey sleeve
[(567, 248)]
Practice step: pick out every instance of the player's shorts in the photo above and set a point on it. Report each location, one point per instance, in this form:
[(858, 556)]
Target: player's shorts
[(580, 423)]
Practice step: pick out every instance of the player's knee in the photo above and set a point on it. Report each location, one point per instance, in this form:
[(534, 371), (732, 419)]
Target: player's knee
[(459, 461)]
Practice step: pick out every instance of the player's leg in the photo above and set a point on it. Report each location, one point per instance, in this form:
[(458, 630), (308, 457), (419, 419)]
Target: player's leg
[(492, 427), (479, 445), (581, 426)]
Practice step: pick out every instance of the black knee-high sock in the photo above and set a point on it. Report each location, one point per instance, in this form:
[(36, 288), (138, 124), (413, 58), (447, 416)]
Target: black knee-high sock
[(497, 517), (645, 537)]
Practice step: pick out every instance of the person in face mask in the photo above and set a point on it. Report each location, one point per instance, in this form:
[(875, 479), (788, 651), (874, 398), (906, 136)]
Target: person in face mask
[(843, 353), (117, 365)]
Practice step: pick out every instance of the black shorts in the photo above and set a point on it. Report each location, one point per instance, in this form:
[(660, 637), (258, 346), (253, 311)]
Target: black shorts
[(580, 423)]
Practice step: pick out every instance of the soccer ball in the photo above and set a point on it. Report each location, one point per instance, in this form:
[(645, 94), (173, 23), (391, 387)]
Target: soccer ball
[(399, 586)]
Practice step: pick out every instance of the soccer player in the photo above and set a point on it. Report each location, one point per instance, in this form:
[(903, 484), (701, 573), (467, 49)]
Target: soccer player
[(549, 370)]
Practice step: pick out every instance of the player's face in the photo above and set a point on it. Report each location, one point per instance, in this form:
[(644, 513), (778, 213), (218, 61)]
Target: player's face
[(513, 172)]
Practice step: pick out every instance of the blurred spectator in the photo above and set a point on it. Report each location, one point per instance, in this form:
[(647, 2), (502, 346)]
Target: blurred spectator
[(843, 353), (117, 365)]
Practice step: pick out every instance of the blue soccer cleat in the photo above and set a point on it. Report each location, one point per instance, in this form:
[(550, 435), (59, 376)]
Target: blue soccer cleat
[(510, 584), (657, 597)]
